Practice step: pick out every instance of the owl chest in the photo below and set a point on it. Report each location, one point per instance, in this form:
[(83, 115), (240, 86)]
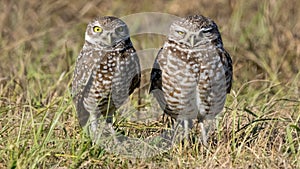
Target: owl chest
[(110, 72), (182, 72), (103, 73), (187, 80)]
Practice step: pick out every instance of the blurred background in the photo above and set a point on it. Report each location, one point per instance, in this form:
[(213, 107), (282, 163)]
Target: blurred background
[(40, 41)]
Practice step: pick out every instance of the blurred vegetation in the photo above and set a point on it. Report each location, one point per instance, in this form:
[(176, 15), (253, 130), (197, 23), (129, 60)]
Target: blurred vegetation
[(40, 41)]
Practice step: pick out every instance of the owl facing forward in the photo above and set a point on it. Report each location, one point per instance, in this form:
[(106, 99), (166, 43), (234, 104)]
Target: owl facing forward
[(192, 73), (107, 71)]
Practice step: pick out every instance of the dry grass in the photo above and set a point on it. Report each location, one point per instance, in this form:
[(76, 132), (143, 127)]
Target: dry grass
[(40, 40)]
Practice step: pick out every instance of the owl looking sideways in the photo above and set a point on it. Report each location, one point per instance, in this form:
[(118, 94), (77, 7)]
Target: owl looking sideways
[(192, 73), (107, 71)]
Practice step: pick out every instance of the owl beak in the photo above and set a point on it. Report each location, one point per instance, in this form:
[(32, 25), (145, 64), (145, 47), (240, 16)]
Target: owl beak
[(109, 39), (192, 40)]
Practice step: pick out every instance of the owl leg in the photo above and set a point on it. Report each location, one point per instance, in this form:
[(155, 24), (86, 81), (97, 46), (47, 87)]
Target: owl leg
[(113, 132), (187, 125), (100, 128), (181, 129), (204, 133), (109, 123), (93, 127), (175, 131)]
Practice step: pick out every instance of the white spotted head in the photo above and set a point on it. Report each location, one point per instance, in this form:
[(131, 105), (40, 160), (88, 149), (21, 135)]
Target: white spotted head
[(194, 31), (106, 31)]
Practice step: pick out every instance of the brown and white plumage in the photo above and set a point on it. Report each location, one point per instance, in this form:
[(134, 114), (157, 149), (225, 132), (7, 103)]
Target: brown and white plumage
[(107, 71), (192, 73)]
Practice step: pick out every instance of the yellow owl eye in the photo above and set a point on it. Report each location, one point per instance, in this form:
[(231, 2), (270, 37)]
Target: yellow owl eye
[(120, 29), (97, 29), (180, 32)]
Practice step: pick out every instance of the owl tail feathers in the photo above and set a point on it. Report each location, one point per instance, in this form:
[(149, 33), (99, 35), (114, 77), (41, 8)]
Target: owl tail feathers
[(82, 113), (159, 96)]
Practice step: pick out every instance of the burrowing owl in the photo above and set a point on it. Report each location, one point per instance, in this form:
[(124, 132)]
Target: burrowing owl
[(107, 71), (192, 73)]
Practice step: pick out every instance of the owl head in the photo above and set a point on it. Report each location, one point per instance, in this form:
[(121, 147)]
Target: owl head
[(194, 31), (106, 31)]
